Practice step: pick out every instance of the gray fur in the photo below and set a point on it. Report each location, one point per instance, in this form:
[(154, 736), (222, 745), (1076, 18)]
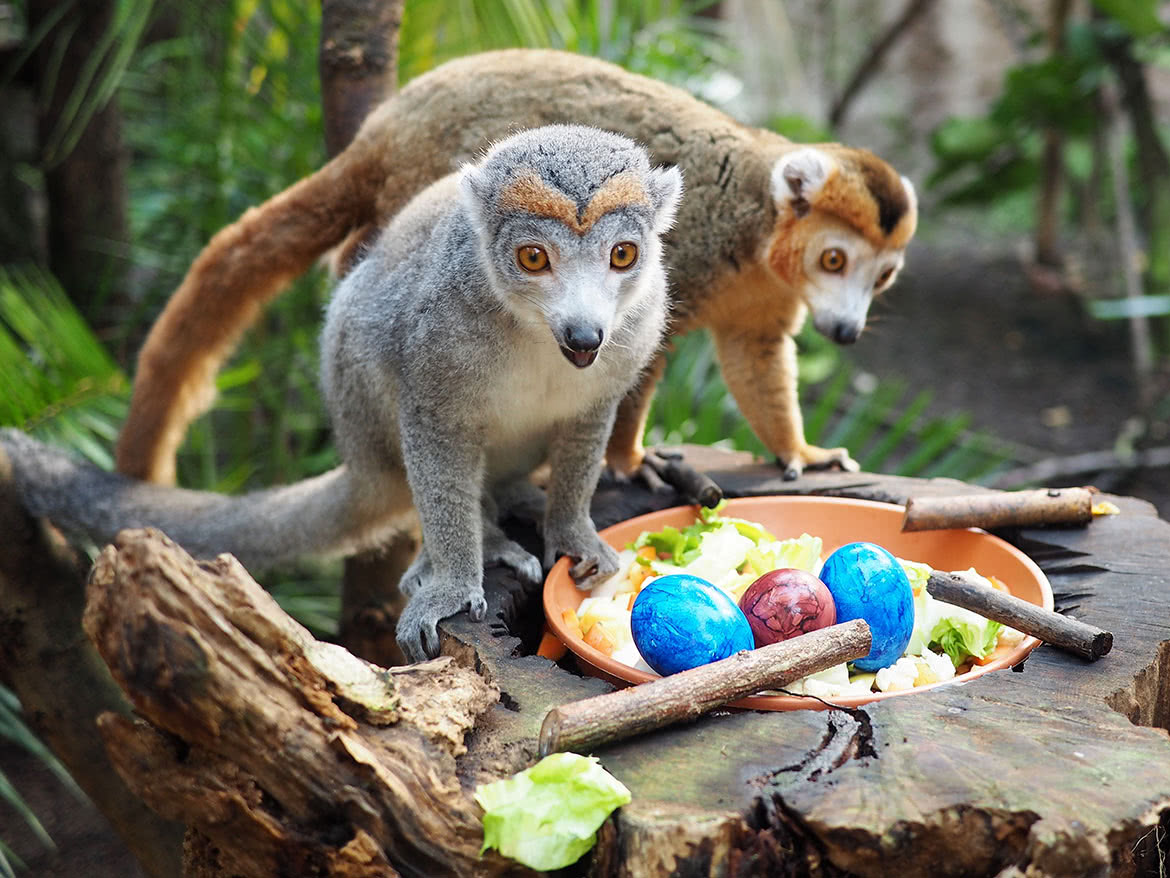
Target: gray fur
[(443, 369)]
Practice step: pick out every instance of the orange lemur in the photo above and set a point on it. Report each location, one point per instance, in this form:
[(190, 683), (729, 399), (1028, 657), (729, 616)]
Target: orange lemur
[(768, 231)]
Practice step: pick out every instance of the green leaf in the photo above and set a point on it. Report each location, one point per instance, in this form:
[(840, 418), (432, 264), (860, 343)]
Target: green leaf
[(547, 816), (1139, 17)]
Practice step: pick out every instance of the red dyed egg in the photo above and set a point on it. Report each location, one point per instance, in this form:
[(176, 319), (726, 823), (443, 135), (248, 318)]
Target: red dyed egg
[(786, 603)]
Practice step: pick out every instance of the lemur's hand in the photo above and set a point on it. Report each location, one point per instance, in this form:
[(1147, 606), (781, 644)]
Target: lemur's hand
[(433, 601), (595, 560), (812, 457)]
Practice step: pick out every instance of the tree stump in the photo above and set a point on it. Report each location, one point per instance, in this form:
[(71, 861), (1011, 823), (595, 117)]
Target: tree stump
[(283, 755)]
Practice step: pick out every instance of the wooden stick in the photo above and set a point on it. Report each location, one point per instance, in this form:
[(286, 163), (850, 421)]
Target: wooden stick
[(1003, 509), (1072, 635), (585, 725)]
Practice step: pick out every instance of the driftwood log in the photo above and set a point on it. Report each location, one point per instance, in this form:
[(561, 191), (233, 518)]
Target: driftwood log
[(285, 756)]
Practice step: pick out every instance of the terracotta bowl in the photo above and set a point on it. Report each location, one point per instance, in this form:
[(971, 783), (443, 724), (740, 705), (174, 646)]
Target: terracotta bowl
[(836, 521)]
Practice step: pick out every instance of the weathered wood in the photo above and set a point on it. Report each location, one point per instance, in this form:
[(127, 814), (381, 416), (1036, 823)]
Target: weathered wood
[(290, 756), (1001, 509), (1077, 637), (605, 719)]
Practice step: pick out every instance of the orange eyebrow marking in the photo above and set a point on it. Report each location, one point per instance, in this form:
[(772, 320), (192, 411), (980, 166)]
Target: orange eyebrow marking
[(531, 194)]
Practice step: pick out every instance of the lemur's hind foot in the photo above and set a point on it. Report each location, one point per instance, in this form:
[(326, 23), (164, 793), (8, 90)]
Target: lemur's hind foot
[(812, 457)]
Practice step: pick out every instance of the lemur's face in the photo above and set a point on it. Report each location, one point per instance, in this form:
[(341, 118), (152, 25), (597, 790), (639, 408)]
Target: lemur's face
[(576, 267), (576, 279), (842, 272), (843, 220)]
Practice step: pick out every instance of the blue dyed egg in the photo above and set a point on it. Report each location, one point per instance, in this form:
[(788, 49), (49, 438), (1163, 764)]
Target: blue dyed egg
[(867, 582), (681, 621)]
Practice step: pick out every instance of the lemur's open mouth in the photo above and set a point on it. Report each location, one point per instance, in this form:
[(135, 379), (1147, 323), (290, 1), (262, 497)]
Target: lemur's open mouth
[(580, 359)]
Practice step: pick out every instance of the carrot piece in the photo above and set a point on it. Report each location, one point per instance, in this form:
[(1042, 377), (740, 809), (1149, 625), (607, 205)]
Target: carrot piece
[(569, 617), (600, 639), (551, 647), (633, 597)]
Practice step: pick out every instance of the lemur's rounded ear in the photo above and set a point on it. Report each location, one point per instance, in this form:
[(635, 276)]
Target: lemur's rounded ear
[(665, 186), (474, 193), (911, 195), (799, 175)]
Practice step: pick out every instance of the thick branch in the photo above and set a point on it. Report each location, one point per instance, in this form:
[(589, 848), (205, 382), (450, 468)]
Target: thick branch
[(275, 747)]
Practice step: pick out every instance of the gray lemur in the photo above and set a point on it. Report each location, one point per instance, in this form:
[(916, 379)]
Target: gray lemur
[(494, 325)]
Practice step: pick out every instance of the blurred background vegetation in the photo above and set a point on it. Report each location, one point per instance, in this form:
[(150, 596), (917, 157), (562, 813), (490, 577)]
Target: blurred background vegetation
[(131, 130)]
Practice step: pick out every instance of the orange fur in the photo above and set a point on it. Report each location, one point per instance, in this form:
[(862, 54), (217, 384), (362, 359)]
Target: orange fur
[(529, 193), (860, 193)]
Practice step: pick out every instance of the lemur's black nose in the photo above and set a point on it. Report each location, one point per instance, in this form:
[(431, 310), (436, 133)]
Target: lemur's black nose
[(846, 333), (580, 344)]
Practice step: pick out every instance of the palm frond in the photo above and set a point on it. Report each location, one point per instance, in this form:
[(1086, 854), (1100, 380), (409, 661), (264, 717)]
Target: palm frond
[(61, 383)]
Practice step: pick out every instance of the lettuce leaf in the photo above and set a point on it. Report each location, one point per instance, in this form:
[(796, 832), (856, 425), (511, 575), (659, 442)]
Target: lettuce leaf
[(547, 816), (961, 637), (683, 546)]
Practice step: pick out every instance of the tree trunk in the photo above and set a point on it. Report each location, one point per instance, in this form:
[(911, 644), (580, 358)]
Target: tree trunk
[(358, 63), (84, 162), (288, 756), (1048, 253), (359, 68)]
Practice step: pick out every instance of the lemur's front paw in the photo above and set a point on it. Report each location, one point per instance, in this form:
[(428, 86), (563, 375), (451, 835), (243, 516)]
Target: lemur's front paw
[(594, 559), (418, 626), (812, 457)]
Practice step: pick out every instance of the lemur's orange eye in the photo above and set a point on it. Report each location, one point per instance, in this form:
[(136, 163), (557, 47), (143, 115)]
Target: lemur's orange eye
[(883, 278), (833, 260), (532, 259), (623, 255)]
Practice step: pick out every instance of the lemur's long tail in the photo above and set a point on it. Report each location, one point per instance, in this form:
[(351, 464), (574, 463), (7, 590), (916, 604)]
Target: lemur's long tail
[(328, 514), (244, 266)]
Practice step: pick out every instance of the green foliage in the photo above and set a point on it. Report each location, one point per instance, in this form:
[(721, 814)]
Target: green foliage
[(1138, 17), (982, 159), (884, 426), (244, 73), (661, 38), (60, 382), (14, 730)]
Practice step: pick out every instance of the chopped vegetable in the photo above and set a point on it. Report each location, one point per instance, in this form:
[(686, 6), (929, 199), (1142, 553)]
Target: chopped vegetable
[(547, 816), (600, 638)]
